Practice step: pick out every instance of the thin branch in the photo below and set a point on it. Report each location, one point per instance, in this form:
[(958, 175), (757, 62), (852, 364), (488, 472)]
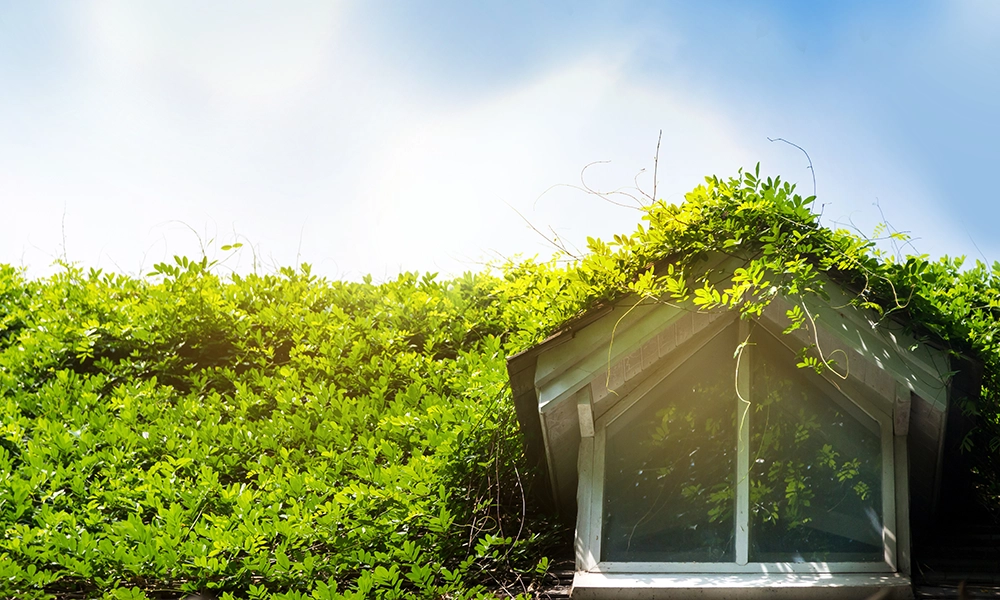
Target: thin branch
[(606, 195), (813, 171), (201, 240), (656, 163), (892, 238), (635, 181), (584, 187), (62, 226), (298, 251), (554, 243), (563, 243)]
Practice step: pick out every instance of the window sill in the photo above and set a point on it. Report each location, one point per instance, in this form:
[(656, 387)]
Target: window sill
[(623, 586)]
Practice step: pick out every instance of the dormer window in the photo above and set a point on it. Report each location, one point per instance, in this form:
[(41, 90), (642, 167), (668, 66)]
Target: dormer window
[(694, 452), (742, 466)]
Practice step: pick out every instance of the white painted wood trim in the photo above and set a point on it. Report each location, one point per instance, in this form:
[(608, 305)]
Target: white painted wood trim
[(789, 586), (743, 448), (728, 567), (889, 525), (585, 560), (902, 476), (597, 497)]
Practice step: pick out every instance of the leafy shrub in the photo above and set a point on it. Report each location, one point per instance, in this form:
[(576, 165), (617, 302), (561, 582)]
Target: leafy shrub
[(284, 436), (263, 434)]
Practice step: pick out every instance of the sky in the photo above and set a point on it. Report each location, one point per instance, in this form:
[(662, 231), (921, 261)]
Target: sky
[(377, 137)]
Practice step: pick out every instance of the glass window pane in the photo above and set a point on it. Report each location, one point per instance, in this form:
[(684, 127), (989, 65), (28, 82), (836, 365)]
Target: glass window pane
[(815, 466), (670, 466)]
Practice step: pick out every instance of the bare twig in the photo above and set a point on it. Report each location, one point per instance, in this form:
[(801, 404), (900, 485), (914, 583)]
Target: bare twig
[(298, 251), (813, 171), (554, 243), (606, 196), (892, 230), (656, 163), (63, 230)]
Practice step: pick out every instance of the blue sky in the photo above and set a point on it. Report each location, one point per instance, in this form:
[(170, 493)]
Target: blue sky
[(374, 137)]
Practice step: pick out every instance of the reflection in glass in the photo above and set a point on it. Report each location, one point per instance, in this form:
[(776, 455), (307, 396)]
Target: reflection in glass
[(816, 466), (670, 470)]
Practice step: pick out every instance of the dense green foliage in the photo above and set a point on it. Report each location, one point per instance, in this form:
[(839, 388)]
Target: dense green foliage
[(285, 436), (257, 434)]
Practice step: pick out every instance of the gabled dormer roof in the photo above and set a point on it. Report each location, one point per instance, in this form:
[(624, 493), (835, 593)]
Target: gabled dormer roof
[(606, 352)]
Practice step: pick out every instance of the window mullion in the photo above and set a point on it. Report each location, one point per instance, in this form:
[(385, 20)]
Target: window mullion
[(743, 447)]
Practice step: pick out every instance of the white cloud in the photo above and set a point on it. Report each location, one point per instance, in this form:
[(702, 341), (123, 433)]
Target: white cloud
[(291, 132), (239, 54)]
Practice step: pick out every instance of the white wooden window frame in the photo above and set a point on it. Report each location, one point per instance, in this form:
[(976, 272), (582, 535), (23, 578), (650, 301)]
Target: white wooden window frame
[(591, 486)]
